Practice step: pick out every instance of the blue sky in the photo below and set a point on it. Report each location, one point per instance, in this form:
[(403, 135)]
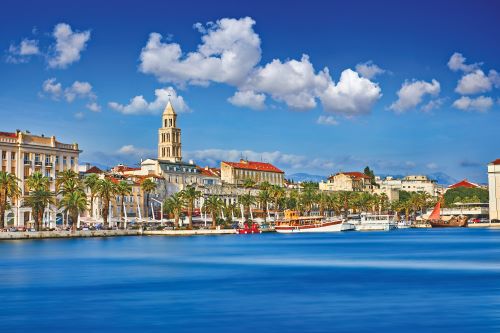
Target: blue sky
[(310, 86)]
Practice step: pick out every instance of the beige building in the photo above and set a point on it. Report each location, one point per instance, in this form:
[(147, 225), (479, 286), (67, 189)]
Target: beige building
[(237, 172), (23, 154), (169, 137), (411, 183), (347, 181), (494, 189)]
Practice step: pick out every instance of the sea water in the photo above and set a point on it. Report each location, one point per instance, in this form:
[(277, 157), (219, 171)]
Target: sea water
[(410, 280)]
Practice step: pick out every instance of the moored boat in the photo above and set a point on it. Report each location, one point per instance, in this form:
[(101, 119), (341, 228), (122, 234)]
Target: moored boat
[(438, 221), (374, 222), (293, 223)]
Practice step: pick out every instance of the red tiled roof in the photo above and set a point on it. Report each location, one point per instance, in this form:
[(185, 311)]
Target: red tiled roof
[(8, 134), (258, 166), (496, 162), (353, 174), (209, 172), (123, 168), (94, 169), (464, 183)]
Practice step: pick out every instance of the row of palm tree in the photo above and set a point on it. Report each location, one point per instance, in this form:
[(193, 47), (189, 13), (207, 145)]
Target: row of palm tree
[(70, 194), (184, 199)]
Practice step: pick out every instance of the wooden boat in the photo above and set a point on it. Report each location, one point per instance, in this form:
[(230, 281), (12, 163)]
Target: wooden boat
[(437, 221), (293, 223)]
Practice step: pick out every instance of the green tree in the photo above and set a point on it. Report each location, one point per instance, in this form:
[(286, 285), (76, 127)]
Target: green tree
[(173, 205), (263, 198), (246, 200), (91, 183), (38, 200), (123, 188), (37, 181), (105, 190), (9, 190), (74, 203), (277, 194), (148, 186), (213, 205), (460, 194), (189, 195), (64, 177)]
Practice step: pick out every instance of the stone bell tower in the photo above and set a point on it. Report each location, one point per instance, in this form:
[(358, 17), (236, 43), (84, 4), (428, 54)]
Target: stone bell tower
[(169, 136)]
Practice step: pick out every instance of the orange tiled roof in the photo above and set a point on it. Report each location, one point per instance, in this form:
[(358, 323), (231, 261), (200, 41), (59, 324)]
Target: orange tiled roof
[(123, 168), (8, 134), (250, 165), (464, 183), (209, 172), (94, 169), (496, 162)]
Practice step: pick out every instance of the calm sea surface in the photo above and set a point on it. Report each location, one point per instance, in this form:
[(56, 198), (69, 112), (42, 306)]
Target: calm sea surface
[(401, 281)]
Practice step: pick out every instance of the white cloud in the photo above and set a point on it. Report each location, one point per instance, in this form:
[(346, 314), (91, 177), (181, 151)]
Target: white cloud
[(352, 95), (94, 107), (293, 82), (327, 120), (80, 90), (433, 104), (480, 104), (412, 93), (457, 63), (79, 115), (369, 70), (52, 88), (22, 53), (139, 105), (228, 52), (432, 166), (473, 83), (68, 46), (249, 99)]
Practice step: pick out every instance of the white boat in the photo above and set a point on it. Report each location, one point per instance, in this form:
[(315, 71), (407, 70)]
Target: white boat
[(293, 223), (372, 222), (403, 225)]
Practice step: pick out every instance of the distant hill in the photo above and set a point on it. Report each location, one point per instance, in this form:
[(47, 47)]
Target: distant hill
[(305, 177)]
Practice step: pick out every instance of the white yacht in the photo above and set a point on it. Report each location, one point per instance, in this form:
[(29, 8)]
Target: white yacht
[(373, 222)]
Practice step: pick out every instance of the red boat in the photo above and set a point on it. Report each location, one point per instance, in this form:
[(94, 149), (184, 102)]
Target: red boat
[(250, 230)]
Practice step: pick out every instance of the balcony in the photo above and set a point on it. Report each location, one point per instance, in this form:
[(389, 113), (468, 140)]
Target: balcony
[(27, 162), (38, 163), (48, 164)]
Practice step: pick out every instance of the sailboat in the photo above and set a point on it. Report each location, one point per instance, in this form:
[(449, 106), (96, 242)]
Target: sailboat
[(437, 221)]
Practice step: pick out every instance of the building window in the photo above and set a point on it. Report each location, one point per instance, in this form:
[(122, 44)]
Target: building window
[(4, 155), (64, 160), (37, 157), (13, 155), (72, 161)]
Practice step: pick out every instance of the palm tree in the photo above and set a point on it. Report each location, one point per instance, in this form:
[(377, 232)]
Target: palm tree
[(323, 200), (123, 188), (91, 182), (37, 181), (74, 203), (38, 200), (308, 198), (246, 200), (189, 195), (106, 189), (249, 183), (277, 194), (64, 176), (229, 210), (9, 189), (173, 205), (148, 186), (213, 204), (347, 199), (263, 198), (39, 196)]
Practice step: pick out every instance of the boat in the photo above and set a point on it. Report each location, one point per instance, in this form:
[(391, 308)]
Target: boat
[(438, 221), (293, 223), (373, 222), (254, 229)]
